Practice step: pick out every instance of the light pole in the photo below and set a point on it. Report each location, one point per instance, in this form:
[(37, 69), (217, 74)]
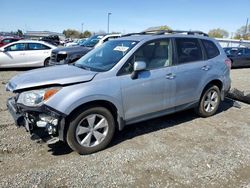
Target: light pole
[(82, 27), (108, 20)]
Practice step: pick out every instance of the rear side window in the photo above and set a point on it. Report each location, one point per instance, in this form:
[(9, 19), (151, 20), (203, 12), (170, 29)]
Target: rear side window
[(188, 50), (37, 46), (211, 50), (7, 41)]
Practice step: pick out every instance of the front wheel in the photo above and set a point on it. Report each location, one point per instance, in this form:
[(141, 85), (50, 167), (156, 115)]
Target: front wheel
[(91, 130), (46, 62), (209, 101)]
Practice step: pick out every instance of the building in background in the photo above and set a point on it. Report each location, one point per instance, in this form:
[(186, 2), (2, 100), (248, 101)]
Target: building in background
[(36, 35), (233, 42)]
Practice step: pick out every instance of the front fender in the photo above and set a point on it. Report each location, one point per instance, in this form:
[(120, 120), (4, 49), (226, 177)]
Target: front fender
[(71, 97)]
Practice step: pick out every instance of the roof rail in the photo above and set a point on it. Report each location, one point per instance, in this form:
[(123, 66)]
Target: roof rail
[(140, 33), (162, 32)]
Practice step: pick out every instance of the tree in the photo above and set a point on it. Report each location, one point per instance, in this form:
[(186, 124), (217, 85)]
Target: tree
[(71, 33), (85, 34), (163, 27), (218, 33), (243, 33), (19, 33)]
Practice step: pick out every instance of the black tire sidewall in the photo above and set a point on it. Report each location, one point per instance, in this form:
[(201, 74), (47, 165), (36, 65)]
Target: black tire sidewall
[(201, 110), (46, 62), (71, 137)]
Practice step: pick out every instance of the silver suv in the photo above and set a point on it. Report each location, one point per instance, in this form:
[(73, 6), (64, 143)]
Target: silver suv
[(124, 81)]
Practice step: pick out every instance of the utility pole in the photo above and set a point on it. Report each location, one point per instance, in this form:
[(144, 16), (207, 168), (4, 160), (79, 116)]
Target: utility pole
[(108, 21)]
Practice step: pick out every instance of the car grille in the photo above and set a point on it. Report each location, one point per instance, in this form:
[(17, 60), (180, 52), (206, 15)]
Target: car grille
[(53, 57), (57, 57)]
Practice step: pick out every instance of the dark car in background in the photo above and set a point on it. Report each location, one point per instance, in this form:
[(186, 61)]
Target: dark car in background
[(240, 56), (71, 54), (52, 39), (7, 40)]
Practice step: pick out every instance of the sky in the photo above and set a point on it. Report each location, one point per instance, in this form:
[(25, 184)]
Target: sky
[(127, 16)]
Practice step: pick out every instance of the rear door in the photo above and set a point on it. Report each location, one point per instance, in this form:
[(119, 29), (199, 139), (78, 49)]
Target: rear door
[(14, 55), (37, 53), (189, 71)]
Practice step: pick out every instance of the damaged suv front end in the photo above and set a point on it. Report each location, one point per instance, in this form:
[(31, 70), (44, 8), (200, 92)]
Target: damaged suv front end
[(28, 110), (29, 105)]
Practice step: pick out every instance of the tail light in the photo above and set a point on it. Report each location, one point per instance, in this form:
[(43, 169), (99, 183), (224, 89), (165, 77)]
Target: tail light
[(228, 62)]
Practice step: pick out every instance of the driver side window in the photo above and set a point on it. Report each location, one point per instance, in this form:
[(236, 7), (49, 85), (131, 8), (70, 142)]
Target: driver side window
[(17, 47), (156, 54)]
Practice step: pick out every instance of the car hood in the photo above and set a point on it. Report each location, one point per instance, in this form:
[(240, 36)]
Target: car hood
[(56, 75), (72, 49)]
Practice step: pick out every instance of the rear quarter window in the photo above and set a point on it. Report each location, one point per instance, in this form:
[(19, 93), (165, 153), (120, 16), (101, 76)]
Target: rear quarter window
[(210, 48)]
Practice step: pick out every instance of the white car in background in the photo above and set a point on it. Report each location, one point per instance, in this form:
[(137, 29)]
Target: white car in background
[(25, 53), (75, 42)]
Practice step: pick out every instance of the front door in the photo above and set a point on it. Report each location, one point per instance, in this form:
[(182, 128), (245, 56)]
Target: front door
[(14, 55), (151, 91)]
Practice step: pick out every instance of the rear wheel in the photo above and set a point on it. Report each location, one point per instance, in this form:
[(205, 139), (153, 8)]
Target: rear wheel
[(209, 101), (91, 130)]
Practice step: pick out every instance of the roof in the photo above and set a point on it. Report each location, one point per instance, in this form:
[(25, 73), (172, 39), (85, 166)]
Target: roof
[(32, 41)]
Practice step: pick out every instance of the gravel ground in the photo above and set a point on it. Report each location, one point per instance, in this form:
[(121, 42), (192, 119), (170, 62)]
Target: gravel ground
[(180, 150)]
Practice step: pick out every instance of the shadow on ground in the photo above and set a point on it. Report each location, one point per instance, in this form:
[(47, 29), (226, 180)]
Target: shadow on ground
[(145, 127), (59, 148)]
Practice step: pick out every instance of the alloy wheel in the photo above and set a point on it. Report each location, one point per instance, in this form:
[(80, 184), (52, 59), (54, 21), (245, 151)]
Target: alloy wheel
[(91, 130)]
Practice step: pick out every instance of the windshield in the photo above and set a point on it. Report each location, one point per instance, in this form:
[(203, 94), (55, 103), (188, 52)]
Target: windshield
[(106, 56), (92, 41)]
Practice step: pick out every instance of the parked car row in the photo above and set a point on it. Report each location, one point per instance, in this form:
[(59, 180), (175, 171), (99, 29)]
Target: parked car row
[(29, 53), (124, 81), (48, 54), (75, 42)]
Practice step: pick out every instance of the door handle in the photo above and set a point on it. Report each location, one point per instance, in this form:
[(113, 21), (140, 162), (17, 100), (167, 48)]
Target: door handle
[(205, 68), (22, 53), (170, 76)]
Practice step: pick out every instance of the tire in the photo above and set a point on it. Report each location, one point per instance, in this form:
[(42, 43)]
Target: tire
[(46, 62), (209, 102), (86, 134)]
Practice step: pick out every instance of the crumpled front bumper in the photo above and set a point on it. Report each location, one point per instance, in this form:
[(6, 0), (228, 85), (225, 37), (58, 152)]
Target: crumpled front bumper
[(17, 116), (40, 120)]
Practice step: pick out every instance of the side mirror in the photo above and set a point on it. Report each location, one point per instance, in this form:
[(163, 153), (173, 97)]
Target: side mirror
[(138, 66), (3, 50)]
